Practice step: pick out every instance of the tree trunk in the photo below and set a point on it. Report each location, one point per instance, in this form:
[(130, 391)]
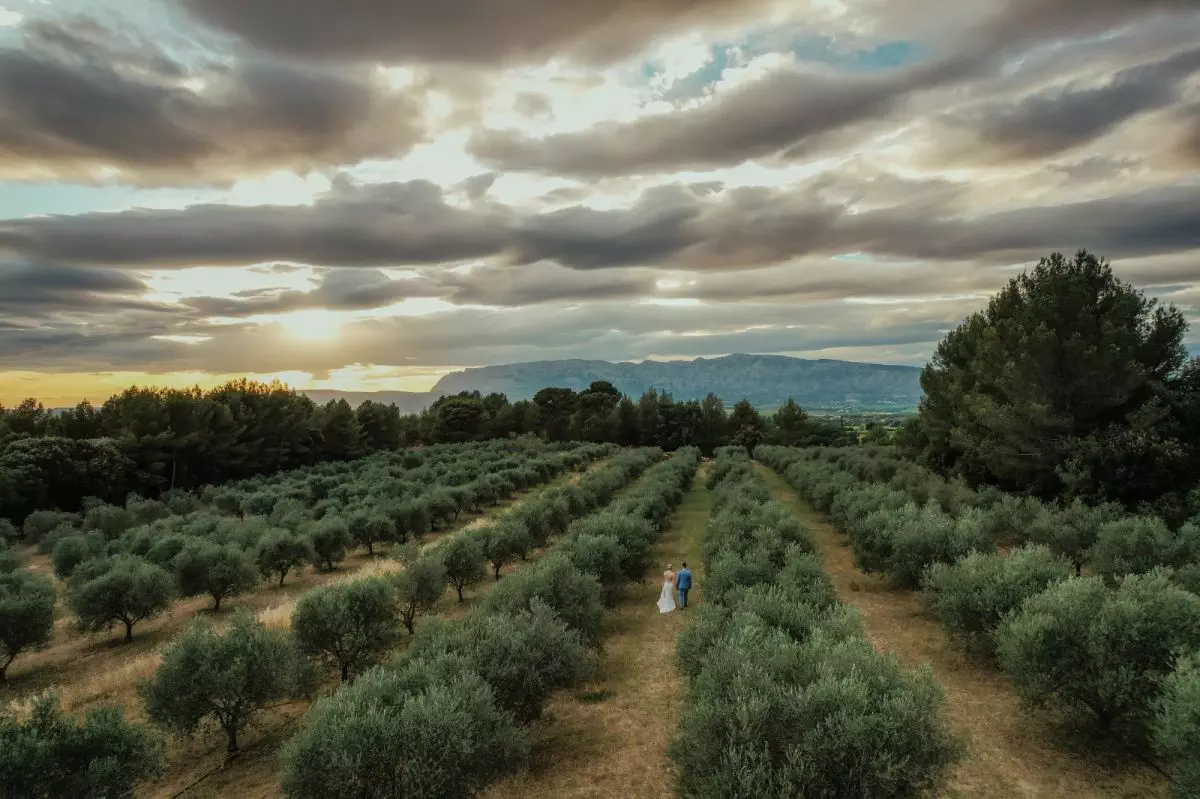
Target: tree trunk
[(408, 621), (496, 567), (345, 671), (128, 631), (459, 588), (282, 574), (371, 548), (232, 733), (216, 603)]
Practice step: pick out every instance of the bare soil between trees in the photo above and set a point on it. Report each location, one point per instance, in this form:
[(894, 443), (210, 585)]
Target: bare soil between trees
[(609, 738), (1013, 751)]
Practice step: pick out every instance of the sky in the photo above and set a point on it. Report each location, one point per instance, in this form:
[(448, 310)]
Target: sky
[(368, 194)]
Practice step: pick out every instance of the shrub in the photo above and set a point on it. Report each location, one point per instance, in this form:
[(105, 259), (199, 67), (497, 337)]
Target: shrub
[(972, 595), (49, 754), (1100, 650), (69, 552), (280, 551), (1070, 531), (123, 589), (223, 677), (1177, 725), (10, 559), (330, 538), (108, 520), (772, 717), (601, 556), (41, 523), (419, 587), (462, 555), (1132, 545), (557, 583), (220, 571), (903, 543), (26, 615), (349, 625), (524, 657), (9, 534), (418, 730)]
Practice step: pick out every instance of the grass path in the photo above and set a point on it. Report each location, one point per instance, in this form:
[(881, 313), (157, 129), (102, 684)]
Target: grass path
[(1013, 752), (610, 738)]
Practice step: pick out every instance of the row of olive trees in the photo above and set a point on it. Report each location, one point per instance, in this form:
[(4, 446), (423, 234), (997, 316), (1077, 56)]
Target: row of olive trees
[(223, 679), (122, 575), (784, 696), (1103, 645), (474, 683), (135, 576)]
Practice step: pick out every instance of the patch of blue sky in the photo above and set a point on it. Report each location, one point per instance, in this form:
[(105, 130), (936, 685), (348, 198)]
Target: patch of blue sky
[(18, 200), (813, 49)]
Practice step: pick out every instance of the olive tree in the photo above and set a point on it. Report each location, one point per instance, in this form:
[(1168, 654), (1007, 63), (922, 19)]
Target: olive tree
[(72, 550), (524, 656), (349, 625), (418, 588), (385, 736), (218, 570), (371, 528), (768, 716), (330, 538), (1177, 725), (972, 595), (26, 615), (560, 586), (463, 558), (124, 589), (280, 551), (49, 754), (1099, 650), (503, 543), (223, 677)]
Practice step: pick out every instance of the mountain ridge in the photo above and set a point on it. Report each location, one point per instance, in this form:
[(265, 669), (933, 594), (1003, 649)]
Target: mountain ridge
[(765, 380)]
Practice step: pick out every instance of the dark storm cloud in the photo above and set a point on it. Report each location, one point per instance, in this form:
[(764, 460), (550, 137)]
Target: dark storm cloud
[(795, 112), (515, 286), (482, 32), (670, 226), (1065, 117), (76, 97), (792, 109), (337, 290), (378, 225), (34, 290)]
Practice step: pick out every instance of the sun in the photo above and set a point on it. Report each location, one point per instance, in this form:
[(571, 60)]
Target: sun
[(316, 325)]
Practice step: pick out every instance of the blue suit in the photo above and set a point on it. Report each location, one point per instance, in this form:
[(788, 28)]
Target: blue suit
[(683, 582)]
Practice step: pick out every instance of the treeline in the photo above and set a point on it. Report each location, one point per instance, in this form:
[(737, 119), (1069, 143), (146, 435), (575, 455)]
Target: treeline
[(1090, 610), (1070, 384), (148, 441)]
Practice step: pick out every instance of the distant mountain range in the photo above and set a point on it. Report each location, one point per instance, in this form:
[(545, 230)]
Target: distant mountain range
[(766, 380)]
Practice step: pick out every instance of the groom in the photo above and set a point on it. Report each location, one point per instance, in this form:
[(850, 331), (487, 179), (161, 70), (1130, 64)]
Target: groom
[(683, 582)]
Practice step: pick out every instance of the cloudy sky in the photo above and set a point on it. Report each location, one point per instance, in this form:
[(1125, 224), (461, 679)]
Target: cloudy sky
[(366, 194)]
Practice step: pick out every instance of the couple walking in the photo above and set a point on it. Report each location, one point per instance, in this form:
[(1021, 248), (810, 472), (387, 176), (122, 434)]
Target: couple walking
[(673, 582)]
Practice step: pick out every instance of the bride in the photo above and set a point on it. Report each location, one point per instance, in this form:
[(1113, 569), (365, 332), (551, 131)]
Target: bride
[(666, 599)]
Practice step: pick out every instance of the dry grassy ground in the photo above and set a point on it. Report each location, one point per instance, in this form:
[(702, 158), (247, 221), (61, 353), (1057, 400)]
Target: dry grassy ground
[(1014, 752), (610, 738), (89, 671)]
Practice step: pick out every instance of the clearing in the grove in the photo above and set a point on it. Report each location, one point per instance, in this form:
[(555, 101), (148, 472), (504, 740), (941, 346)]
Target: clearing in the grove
[(1012, 752)]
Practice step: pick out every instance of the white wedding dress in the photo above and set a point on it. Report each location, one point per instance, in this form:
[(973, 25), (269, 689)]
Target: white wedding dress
[(666, 599)]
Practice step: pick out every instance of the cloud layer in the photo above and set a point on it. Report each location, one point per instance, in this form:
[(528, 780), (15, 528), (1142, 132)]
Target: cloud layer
[(382, 188)]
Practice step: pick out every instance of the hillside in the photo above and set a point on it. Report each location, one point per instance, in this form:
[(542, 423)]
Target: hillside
[(766, 380)]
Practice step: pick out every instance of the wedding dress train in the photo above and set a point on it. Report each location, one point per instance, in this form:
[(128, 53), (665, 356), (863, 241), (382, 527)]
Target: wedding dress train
[(666, 599)]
